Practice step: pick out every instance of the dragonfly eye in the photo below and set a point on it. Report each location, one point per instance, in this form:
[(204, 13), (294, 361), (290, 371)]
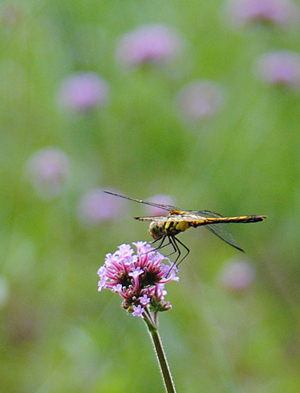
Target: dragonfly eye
[(156, 230)]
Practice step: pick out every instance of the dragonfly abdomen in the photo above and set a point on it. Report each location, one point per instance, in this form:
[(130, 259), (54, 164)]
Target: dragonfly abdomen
[(228, 220)]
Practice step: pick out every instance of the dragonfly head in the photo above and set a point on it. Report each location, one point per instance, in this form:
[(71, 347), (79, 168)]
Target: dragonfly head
[(157, 230)]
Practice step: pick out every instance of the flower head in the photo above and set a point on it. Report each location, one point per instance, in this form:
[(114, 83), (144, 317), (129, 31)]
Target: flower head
[(154, 43), (11, 14), (139, 279), (237, 275), (200, 100), (280, 67), (281, 13), (83, 91), (49, 171), (96, 207)]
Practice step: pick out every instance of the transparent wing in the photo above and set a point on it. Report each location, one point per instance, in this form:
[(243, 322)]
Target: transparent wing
[(173, 217), (223, 234), (161, 206), (219, 230), (162, 219)]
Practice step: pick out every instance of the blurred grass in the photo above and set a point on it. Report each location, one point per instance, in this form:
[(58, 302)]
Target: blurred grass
[(57, 333)]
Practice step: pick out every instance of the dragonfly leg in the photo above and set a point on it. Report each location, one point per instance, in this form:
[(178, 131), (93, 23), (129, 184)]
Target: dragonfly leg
[(172, 240), (176, 241), (161, 244)]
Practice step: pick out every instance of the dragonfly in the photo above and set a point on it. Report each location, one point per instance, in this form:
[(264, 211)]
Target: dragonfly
[(164, 229)]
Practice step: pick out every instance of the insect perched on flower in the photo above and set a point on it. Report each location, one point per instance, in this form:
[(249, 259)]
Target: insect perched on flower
[(166, 228)]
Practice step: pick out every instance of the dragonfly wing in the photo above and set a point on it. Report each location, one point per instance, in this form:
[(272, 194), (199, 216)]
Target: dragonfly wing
[(207, 213), (173, 217), (162, 219), (161, 206), (222, 233), (219, 230)]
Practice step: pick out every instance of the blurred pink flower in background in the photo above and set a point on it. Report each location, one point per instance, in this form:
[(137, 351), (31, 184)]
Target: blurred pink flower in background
[(49, 172), (280, 68), (162, 199), (200, 100), (83, 91), (281, 13), (11, 14), (96, 207), (237, 275), (154, 43)]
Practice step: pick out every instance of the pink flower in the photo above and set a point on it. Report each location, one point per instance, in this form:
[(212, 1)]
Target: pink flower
[(49, 171), (138, 311), (281, 13), (96, 207), (200, 100), (279, 68), (157, 44), (83, 91), (237, 275), (139, 279), (11, 14)]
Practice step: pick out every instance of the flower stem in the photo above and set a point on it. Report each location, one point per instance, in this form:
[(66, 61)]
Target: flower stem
[(161, 356)]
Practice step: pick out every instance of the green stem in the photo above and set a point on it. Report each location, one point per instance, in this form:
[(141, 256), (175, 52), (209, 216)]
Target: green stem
[(160, 354)]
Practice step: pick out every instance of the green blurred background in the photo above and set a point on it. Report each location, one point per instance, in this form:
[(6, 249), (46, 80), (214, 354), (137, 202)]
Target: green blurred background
[(58, 334)]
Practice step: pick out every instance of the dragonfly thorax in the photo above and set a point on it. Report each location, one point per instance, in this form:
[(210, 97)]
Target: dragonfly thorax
[(157, 230)]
